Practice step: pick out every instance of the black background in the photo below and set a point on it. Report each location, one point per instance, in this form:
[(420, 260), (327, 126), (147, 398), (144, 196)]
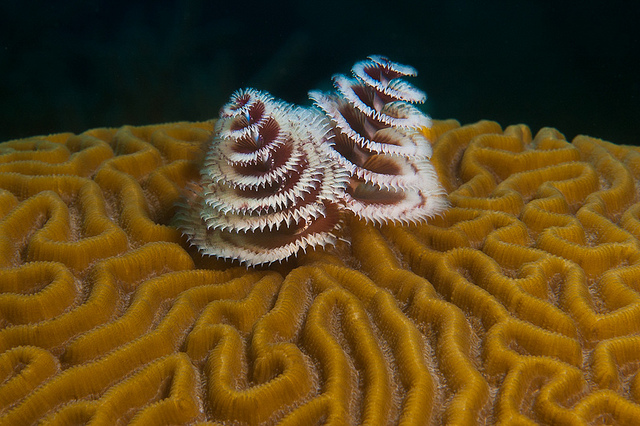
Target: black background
[(75, 65)]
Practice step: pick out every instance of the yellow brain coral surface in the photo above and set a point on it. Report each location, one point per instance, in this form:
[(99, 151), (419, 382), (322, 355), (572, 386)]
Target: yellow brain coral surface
[(520, 305)]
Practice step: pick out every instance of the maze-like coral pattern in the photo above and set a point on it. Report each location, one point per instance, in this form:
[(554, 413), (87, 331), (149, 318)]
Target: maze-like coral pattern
[(520, 305)]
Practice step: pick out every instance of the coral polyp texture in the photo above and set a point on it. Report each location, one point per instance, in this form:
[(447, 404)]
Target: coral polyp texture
[(520, 304), (277, 177)]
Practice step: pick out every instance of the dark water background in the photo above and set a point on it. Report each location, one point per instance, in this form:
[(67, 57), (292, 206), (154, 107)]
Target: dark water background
[(75, 65)]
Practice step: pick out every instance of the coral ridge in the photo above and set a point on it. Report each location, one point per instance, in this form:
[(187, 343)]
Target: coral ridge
[(517, 305)]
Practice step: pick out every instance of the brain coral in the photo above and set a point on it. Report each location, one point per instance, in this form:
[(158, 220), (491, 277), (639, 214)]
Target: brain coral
[(519, 305)]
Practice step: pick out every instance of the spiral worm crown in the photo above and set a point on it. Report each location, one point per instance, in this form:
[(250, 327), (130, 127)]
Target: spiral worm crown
[(268, 186), (276, 176), (376, 138)]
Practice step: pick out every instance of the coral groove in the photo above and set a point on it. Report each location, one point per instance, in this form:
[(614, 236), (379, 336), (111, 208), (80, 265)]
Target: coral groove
[(518, 305)]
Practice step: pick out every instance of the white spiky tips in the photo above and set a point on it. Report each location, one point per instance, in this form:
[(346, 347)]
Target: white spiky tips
[(376, 138), (277, 177), (268, 187)]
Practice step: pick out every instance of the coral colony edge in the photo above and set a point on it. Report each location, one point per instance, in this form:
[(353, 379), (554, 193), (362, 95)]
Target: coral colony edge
[(277, 178), (517, 304)]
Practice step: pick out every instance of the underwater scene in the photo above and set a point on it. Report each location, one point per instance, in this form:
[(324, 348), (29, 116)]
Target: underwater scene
[(332, 213)]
